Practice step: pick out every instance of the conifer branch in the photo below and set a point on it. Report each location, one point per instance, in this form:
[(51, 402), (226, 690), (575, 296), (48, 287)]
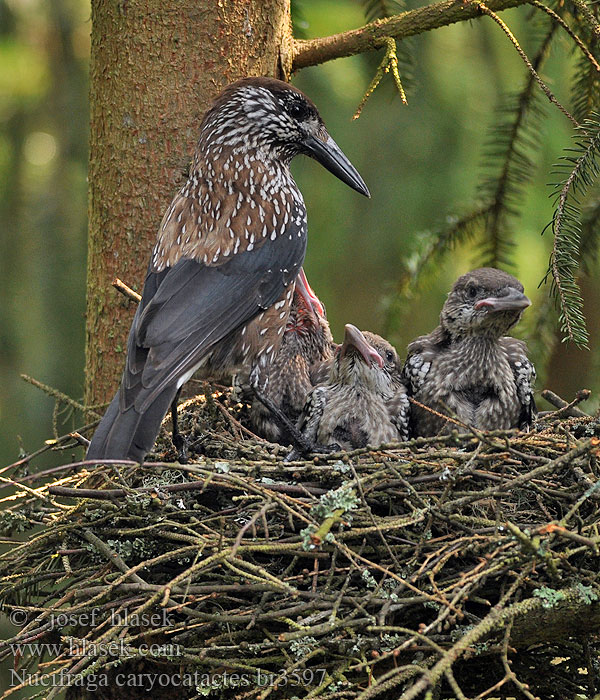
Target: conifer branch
[(486, 10), (433, 245), (586, 91), (559, 20), (589, 17), (509, 142), (582, 171), (372, 36)]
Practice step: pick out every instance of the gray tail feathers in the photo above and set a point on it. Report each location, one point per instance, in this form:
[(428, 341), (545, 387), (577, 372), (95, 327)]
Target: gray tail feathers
[(129, 434)]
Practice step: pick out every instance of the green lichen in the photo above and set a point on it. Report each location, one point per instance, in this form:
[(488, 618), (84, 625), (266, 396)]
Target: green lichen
[(549, 597), (302, 647), (13, 521), (586, 593), (343, 498), (341, 467), (389, 642), (307, 535)]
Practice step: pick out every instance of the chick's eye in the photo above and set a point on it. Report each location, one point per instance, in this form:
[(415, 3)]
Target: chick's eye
[(472, 291), (389, 356)]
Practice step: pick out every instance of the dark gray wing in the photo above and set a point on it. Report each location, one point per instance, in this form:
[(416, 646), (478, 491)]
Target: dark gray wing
[(195, 306)]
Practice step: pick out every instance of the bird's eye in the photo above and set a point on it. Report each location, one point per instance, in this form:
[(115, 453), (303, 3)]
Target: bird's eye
[(389, 356), (296, 109), (472, 291)]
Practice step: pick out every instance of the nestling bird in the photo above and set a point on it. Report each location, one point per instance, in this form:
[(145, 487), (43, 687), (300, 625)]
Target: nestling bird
[(363, 401), (220, 280), (467, 368), (305, 352)]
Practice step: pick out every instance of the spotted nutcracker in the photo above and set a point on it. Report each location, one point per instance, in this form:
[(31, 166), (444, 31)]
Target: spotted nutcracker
[(305, 353), (467, 368), (363, 401), (221, 276)]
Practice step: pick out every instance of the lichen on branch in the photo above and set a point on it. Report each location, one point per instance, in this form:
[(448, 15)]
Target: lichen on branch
[(372, 36)]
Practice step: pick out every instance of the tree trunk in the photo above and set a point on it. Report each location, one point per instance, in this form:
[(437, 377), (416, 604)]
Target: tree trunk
[(155, 66)]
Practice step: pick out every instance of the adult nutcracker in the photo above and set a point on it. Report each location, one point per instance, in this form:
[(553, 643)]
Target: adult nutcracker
[(222, 273)]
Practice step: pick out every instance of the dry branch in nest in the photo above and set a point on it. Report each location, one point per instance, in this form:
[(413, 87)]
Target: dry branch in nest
[(460, 567)]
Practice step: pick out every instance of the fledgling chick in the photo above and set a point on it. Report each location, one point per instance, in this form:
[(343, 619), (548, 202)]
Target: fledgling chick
[(363, 401), (467, 367), (306, 350)]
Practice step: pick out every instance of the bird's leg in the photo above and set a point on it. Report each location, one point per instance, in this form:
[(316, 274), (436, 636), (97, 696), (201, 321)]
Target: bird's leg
[(300, 443), (302, 447), (179, 441)]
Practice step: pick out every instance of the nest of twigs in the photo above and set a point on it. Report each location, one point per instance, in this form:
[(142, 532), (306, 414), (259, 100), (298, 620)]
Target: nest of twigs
[(460, 567)]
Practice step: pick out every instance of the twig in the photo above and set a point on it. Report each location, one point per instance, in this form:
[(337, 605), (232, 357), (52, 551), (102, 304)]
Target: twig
[(59, 396), (388, 63), (259, 514), (586, 12), (546, 90), (559, 20), (108, 494), (443, 416), (84, 442), (509, 673), (47, 447), (126, 291), (112, 557), (238, 425), (565, 408)]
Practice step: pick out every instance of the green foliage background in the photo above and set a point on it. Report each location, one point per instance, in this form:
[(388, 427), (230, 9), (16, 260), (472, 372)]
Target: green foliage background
[(423, 163)]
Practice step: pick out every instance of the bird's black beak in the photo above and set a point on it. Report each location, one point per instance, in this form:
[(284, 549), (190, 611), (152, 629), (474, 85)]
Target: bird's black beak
[(353, 338), (513, 300), (331, 156)]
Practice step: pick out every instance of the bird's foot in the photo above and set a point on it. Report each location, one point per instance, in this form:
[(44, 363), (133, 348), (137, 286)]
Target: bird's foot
[(181, 445)]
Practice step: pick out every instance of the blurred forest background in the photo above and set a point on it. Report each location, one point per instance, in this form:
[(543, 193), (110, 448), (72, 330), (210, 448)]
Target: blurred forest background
[(423, 163)]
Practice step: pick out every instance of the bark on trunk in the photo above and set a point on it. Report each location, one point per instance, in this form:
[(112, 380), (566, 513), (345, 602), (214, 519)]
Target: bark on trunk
[(155, 66)]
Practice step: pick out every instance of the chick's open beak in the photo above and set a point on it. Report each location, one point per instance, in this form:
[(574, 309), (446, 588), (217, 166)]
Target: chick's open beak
[(311, 300), (353, 338)]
